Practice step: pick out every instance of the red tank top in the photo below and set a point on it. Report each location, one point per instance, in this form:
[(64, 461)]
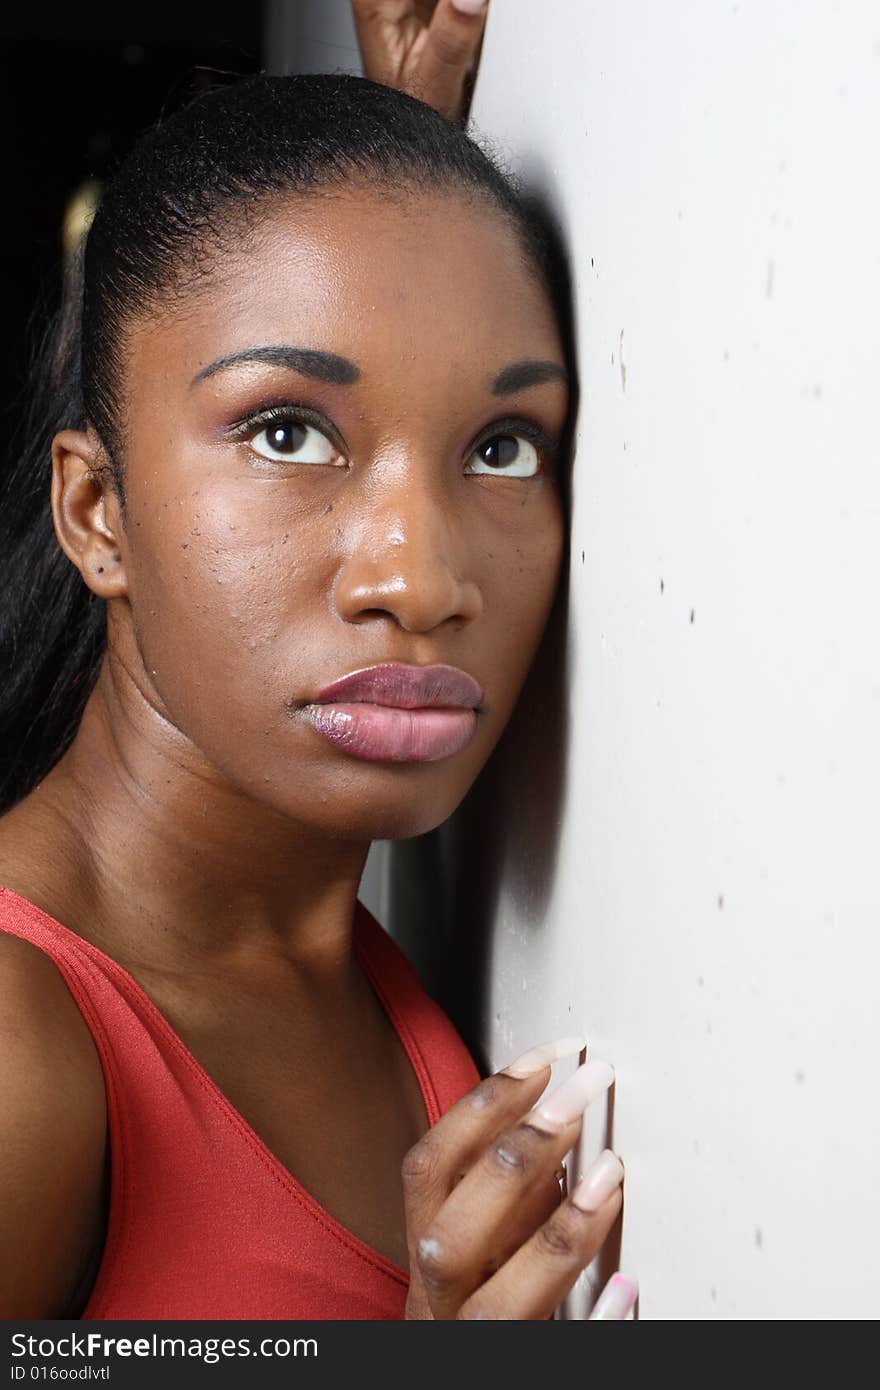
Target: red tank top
[(204, 1221)]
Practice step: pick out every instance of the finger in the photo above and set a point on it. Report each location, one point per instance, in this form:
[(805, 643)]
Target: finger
[(443, 1155), (445, 53), (511, 1190), (532, 1283), (616, 1300), (386, 31)]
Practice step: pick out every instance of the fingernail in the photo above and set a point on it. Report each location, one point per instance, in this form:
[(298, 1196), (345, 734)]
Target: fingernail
[(470, 6), (616, 1299), (601, 1179), (537, 1058), (569, 1101)]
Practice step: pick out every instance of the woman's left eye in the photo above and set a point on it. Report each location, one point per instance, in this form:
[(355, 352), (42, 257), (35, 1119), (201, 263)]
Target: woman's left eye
[(511, 455), (292, 441)]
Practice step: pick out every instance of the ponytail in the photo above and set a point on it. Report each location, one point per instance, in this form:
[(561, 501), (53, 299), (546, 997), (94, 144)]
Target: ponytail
[(52, 627)]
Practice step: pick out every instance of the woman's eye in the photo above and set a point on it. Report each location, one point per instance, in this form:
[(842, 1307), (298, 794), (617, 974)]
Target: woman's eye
[(292, 441), (512, 455)]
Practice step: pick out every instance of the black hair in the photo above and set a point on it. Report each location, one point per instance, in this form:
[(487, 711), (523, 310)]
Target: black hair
[(164, 214)]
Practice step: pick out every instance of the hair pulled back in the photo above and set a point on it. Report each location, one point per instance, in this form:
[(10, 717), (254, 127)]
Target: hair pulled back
[(204, 170)]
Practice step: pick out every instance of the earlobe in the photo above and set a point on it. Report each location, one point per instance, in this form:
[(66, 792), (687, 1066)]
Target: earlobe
[(81, 489)]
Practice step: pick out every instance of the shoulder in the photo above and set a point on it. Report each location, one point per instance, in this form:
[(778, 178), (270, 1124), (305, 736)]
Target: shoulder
[(52, 1133)]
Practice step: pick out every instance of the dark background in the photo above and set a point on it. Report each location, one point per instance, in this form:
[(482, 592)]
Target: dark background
[(79, 84)]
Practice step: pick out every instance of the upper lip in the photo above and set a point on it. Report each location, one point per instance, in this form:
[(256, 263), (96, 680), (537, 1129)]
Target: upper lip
[(408, 687)]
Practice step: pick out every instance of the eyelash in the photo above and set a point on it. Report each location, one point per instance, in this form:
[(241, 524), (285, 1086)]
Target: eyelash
[(292, 413), (264, 416)]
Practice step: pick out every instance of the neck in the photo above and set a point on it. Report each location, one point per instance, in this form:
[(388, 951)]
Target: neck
[(159, 858)]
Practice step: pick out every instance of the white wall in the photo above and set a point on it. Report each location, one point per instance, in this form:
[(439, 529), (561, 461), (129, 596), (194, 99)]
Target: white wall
[(675, 844)]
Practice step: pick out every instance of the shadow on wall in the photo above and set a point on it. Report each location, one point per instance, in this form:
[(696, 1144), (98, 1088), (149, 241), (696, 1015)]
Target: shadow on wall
[(444, 886)]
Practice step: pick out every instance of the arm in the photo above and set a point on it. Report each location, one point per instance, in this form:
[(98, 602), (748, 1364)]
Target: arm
[(52, 1136)]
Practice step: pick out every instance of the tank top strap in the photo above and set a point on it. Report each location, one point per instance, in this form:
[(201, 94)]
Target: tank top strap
[(444, 1066), (80, 963)]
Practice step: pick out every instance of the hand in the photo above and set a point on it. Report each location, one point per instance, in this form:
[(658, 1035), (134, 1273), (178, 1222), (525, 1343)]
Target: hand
[(428, 48), (488, 1232)]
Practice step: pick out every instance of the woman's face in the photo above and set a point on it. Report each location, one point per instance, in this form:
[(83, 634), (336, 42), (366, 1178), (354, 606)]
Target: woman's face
[(293, 519)]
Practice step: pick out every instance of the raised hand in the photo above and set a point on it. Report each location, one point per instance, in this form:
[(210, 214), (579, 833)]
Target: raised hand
[(428, 48), (489, 1233)]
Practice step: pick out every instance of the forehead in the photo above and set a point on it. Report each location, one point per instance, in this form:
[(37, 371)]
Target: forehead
[(435, 279)]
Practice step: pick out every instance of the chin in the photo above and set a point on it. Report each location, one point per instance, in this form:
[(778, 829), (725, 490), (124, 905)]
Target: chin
[(403, 823), (387, 817)]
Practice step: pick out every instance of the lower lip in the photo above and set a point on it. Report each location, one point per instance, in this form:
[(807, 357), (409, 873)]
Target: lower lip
[(387, 733)]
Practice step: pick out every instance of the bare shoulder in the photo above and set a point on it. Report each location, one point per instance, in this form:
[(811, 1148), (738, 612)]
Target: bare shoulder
[(52, 1135)]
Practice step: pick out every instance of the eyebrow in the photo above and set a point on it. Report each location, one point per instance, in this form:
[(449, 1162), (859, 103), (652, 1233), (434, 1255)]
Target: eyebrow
[(521, 374), (323, 366), (329, 366)]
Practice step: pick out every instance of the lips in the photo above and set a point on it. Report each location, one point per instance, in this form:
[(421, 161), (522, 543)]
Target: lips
[(406, 687), (398, 713)]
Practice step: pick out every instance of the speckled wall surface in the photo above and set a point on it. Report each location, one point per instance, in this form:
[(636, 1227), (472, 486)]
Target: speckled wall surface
[(674, 846)]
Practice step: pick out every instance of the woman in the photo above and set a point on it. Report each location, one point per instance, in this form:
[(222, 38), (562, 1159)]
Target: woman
[(303, 534)]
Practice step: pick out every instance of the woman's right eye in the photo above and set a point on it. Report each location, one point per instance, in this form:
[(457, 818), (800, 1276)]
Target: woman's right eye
[(292, 441)]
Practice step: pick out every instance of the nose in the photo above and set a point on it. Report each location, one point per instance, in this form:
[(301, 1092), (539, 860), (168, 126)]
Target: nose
[(410, 562)]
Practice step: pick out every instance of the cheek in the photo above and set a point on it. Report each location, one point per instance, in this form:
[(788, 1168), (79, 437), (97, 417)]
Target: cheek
[(521, 580), (215, 586), (534, 555)]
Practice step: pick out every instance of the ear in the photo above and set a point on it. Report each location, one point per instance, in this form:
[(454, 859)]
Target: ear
[(85, 511)]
